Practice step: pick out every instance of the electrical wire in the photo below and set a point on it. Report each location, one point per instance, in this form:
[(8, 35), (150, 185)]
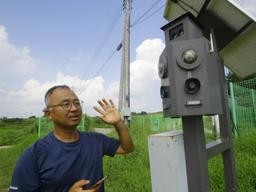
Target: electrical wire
[(146, 12), (102, 42), (107, 60), (105, 63), (157, 10), (136, 23)]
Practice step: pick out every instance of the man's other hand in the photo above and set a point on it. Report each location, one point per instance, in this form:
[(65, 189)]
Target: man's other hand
[(78, 186)]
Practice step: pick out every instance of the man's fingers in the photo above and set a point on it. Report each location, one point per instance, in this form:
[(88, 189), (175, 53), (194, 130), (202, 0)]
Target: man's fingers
[(111, 102), (99, 110), (105, 102), (94, 188), (80, 183), (102, 104)]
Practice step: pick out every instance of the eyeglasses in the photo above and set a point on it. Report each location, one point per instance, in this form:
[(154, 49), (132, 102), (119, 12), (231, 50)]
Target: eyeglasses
[(66, 105)]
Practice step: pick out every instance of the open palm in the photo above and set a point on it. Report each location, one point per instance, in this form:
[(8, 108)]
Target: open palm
[(108, 111)]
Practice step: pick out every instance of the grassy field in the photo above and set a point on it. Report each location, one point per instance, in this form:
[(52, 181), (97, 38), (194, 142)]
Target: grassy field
[(14, 131), (130, 173), (8, 158)]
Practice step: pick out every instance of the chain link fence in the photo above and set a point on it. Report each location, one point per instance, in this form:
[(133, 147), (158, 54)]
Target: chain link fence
[(45, 126), (155, 122), (243, 104)]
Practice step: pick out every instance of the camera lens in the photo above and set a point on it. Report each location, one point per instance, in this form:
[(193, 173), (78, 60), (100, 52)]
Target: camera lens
[(189, 56), (192, 86)]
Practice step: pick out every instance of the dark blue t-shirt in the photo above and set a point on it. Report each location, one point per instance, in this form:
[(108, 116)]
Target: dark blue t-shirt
[(51, 165)]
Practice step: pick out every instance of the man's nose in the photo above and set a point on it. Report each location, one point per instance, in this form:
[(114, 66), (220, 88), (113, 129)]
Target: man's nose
[(73, 107)]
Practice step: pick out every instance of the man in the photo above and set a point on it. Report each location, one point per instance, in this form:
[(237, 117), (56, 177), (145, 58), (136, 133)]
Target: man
[(67, 160)]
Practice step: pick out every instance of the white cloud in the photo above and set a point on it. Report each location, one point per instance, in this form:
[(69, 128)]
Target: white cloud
[(144, 68), (28, 100), (144, 78), (14, 60)]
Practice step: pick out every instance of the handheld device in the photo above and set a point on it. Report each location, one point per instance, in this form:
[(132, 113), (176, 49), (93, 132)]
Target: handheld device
[(98, 183)]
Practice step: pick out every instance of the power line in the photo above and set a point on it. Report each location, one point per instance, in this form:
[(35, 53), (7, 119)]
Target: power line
[(102, 42), (146, 12), (138, 21), (159, 9), (106, 62)]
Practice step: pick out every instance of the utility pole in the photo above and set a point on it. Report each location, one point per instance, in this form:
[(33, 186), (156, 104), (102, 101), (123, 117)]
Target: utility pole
[(124, 88)]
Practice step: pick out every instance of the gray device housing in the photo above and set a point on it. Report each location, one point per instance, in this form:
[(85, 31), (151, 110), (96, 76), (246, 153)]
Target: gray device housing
[(181, 35)]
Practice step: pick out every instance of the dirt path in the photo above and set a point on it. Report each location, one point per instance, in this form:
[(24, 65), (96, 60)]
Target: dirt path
[(5, 146), (103, 130)]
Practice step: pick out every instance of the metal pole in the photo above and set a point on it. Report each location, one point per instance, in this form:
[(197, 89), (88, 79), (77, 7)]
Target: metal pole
[(226, 132), (121, 83), (195, 154), (124, 94), (121, 89)]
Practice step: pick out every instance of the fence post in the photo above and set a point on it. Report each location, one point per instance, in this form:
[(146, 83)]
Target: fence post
[(143, 122), (39, 127), (254, 104), (82, 123), (151, 123), (233, 108)]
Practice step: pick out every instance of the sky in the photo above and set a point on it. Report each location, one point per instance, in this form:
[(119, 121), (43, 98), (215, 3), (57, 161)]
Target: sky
[(45, 43)]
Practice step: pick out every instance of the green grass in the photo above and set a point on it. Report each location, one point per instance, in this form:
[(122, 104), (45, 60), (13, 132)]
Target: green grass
[(8, 158), (14, 132), (245, 158), (132, 172)]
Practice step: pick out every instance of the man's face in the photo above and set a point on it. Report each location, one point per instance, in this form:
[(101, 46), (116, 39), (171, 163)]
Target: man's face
[(67, 112)]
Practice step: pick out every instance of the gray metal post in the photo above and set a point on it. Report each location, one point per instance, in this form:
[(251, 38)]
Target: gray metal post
[(226, 134), (121, 89), (195, 153), (124, 92)]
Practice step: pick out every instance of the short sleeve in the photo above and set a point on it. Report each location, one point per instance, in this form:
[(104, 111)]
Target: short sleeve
[(110, 145), (25, 176)]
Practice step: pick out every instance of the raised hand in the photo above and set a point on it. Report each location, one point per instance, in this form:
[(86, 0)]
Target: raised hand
[(108, 111)]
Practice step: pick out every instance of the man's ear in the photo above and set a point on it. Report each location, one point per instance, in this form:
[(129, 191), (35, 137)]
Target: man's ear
[(47, 113)]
